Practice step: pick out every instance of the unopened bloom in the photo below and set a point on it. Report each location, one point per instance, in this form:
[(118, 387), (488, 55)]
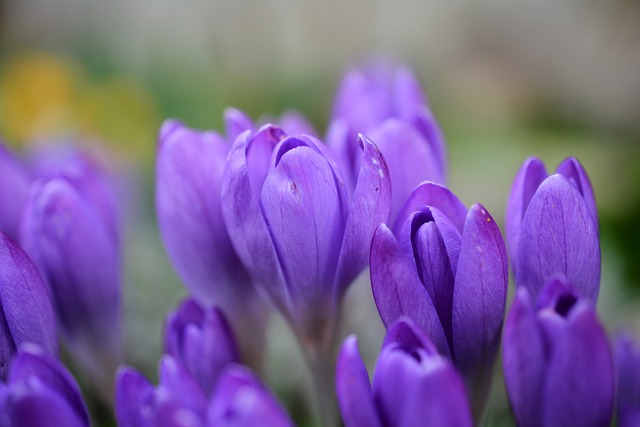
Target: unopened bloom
[(26, 315), (40, 392), (446, 269), (15, 181), (627, 360), (388, 105), (552, 227), (558, 368), (413, 385)]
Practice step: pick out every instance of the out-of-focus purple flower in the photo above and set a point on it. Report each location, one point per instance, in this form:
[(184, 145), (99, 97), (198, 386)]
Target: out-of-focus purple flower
[(627, 360), (552, 227), (446, 269), (558, 368), (295, 226), (40, 393), (26, 315), (388, 105), (201, 340), (15, 180), (79, 258), (238, 399), (413, 385)]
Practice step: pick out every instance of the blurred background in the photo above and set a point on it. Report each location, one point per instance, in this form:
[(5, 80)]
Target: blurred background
[(506, 80)]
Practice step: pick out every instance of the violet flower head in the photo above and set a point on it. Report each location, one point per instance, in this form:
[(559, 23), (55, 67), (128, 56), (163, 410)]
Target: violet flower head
[(446, 269), (40, 392), (413, 385), (26, 315), (239, 399), (388, 105), (15, 181), (201, 340), (552, 227), (627, 361), (295, 226), (558, 368)]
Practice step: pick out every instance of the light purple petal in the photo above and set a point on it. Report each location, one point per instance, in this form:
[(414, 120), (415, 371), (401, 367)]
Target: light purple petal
[(558, 236), (353, 388), (133, 391), (525, 184), (524, 361), (425, 122), (294, 123), (409, 96), (181, 385), (397, 289), (572, 169), (15, 181), (236, 122), (369, 208), (363, 100), (480, 293)]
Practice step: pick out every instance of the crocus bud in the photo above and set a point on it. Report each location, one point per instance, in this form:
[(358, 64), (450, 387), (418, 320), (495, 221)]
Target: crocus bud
[(189, 208), (387, 104), (40, 393), (15, 181), (294, 225), (201, 340), (552, 228), (627, 361), (446, 269), (79, 259), (413, 385), (26, 315), (557, 364)]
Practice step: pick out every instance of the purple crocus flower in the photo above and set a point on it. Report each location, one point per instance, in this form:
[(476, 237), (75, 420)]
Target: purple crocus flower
[(40, 393), (552, 227), (627, 360), (413, 385), (15, 180), (238, 399), (295, 226), (446, 269), (388, 105), (26, 315), (201, 340), (558, 368)]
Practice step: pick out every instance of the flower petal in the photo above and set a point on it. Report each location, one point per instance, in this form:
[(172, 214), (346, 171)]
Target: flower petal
[(572, 169), (236, 122), (15, 181), (132, 389), (425, 122), (293, 123)]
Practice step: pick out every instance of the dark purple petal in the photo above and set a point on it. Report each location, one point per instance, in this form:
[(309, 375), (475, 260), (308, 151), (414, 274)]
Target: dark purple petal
[(397, 289), (15, 181), (572, 169), (369, 208), (580, 378), (524, 361), (236, 122), (627, 361), (432, 195), (353, 388), (525, 184), (133, 392), (240, 400), (405, 334), (33, 404), (558, 236), (27, 315), (409, 158)]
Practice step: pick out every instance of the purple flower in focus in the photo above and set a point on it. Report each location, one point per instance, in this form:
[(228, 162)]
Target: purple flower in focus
[(627, 360), (239, 399), (295, 226), (557, 364), (201, 340), (40, 393), (26, 315), (413, 385), (388, 105), (552, 227), (15, 180), (446, 269)]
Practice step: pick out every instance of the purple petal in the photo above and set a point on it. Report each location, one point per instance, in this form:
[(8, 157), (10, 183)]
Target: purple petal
[(397, 289), (27, 313), (480, 293), (409, 96), (353, 388), (627, 360), (132, 391), (432, 195), (525, 184), (409, 158), (345, 148), (558, 236), (182, 386), (295, 123), (524, 361), (580, 379), (405, 334), (240, 400), (369, 208), (572, 169), (362, 101), (425, 122), (14, 192), (236, 122)]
